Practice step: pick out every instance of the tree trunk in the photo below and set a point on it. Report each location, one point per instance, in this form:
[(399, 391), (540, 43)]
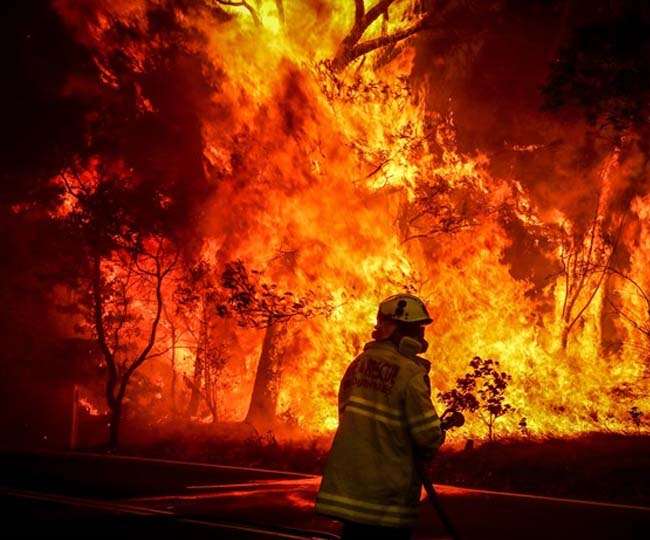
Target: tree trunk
[(210, 393), (199, 366), (173, 379), (564, 341), (195, 398), (611, 336), (114, 427), (264, 399)]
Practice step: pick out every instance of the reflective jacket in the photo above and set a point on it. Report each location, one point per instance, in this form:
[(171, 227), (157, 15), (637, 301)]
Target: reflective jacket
[(386, 420)]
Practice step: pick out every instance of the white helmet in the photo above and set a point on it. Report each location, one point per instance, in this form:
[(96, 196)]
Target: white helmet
[(404, 308)]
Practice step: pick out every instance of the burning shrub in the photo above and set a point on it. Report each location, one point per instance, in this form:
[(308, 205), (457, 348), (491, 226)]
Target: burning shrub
[(481, 390)]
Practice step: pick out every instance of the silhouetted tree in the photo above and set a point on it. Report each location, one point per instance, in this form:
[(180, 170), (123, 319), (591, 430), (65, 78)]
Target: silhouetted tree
[(198, 297), (444, 19), (481, 390), (120, 263), (352, 46), (117, 319), (584, 260), (256, 304)]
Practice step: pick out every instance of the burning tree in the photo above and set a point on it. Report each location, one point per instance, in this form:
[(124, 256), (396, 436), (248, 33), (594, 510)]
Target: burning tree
[(440, 208), (402, 19), (584, 261), (198, 297), (212, 365), (261, 305), (481, 390), (235, 144), (632, 307), (638, 318), (118, 278), (118, 323), (352, 47), (174, 338)]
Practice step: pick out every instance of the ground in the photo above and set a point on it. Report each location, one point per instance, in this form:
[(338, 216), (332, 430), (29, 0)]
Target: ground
[(597, 466), (103, 496)]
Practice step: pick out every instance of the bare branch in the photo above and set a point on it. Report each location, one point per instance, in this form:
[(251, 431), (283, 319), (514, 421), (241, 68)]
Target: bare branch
[(359, 11), (244, 4), (619, 311), (350, 48), (144, 354), (636, 285), (382, 41), (579, 269), (378, 9)]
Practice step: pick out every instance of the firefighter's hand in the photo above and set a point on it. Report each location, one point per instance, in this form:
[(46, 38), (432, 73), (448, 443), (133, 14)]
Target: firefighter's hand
[(452, 419)]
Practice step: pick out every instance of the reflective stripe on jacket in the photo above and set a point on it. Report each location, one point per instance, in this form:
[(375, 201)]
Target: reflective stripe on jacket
[(386, 419)]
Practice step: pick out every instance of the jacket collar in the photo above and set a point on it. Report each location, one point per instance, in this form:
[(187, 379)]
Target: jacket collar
[(386, 344)]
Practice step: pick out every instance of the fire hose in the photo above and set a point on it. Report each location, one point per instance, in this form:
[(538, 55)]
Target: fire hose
[(455, 419)]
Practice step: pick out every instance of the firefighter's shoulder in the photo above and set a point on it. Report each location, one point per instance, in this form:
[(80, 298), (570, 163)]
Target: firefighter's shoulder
[(417, 372)]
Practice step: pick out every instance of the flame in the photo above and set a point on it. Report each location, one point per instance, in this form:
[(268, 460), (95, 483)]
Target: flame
[(328, 167), (86, 402), (89, 407)]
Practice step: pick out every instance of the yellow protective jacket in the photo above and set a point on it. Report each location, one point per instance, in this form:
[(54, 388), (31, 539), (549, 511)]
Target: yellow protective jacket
[(386, 420)]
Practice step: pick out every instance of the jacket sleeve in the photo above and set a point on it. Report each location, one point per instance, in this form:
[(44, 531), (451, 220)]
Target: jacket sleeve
[(345, 387), (423, 422)]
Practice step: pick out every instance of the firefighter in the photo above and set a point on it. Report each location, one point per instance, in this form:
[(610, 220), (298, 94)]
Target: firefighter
[(388, 429)]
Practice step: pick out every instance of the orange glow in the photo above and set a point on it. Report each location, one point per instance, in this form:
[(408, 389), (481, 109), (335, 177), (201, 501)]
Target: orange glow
[(331, 168)]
